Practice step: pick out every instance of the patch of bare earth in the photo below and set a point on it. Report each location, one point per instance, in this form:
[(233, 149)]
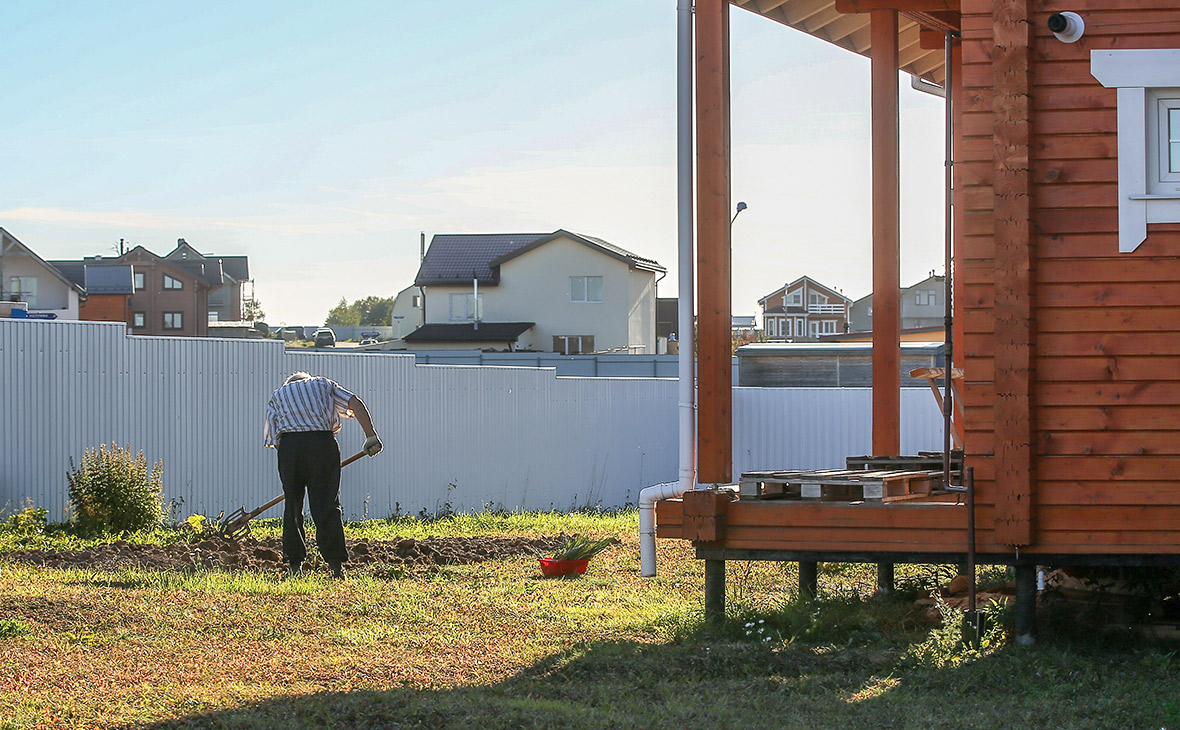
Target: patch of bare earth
[(266, 556)]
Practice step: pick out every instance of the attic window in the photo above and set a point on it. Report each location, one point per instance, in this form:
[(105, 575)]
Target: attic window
[(172, 283), (1148, 83)]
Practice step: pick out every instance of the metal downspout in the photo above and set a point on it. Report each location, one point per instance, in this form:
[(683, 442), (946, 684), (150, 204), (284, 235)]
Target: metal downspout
[(686, 361)]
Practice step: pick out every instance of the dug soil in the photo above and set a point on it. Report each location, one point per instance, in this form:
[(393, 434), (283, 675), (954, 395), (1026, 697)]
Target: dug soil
[(374, 557)]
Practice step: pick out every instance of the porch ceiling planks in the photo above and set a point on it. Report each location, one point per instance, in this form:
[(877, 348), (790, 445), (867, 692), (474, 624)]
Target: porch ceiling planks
[(850, 30)]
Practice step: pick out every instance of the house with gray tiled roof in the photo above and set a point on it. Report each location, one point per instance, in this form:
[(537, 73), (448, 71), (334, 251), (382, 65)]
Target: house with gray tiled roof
[(551, 292)]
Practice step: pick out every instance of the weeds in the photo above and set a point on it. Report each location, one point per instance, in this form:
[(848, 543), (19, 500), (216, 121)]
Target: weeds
[(113, 491)]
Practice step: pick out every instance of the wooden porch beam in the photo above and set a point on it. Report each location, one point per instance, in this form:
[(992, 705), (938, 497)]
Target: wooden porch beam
[(714, 351), (868, 6), (886, 236), (1015, 279)]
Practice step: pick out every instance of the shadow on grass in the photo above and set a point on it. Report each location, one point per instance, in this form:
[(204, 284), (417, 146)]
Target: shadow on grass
[(708, 679)]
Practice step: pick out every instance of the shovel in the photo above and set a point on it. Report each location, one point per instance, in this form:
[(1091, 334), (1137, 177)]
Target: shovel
[(237, 524)]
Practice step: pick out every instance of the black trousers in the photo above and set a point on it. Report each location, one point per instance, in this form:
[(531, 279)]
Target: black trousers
[(310, 461)]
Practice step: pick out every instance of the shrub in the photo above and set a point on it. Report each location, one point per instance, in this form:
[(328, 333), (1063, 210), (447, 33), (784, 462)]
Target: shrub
[(114, 491), (28, 522)]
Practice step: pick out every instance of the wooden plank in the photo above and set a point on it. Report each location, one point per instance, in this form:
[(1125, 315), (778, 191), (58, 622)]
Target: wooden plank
[(1101, 541), (1125, 294), (1060, 172), (820, 536), (1110, 270), (1161, 318), (1115, 418), (886, 231), (1100, 244), (832, 514), (1124, 368), (1101, 344), (1145, 393), (1110, 518), (714, 369), (1100, 493)]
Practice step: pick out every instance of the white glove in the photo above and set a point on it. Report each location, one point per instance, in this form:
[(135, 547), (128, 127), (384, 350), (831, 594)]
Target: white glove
[(372, 445)]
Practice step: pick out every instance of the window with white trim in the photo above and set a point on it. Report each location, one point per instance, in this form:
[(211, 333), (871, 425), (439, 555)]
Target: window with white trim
[(465, 307), (829, 326), (1163, 133), (585, 288), (172, 282), (173, 320), (794, 299), (1148, 84), (817, 299), (813, 328)]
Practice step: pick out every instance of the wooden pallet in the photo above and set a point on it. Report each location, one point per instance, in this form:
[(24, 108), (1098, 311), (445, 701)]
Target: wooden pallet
[(842, 485)]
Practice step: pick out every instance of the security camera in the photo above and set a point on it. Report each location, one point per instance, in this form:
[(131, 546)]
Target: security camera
[(1068, 27)]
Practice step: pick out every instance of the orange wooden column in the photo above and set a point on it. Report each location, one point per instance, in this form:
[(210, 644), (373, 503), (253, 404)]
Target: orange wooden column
[(1014, 286), (886, 237), (714, 354)]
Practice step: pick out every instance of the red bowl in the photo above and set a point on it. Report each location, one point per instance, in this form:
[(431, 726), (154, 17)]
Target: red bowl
[(558, 568)]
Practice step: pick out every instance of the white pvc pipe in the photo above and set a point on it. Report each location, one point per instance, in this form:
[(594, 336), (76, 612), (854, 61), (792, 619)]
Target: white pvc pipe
[(686, 361)]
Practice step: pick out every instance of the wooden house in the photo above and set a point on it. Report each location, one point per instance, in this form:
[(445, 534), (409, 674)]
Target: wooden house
[(1066, 173), (804, 309)]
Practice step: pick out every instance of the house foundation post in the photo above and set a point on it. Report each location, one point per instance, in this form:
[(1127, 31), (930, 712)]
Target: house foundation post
[(714, 590), (1026, 604), (808, 578), (884, 577)]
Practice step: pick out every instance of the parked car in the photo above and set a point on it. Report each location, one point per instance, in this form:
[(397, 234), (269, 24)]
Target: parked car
[(369, 341), (325, 337)]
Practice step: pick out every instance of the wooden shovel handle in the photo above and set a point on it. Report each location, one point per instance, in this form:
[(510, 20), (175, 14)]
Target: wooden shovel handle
[(351, 459), (251, 515)]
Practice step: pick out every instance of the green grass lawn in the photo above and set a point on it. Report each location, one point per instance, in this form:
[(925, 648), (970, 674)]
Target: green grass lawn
[(494, 645)]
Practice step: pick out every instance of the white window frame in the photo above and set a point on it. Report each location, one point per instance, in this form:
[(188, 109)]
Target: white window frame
[(793, 299), (829, 326), (171, 283), (580, 340), (815, 298), (580, 289), (1148, 80), (24, 288), (461, 309), (813, 328)]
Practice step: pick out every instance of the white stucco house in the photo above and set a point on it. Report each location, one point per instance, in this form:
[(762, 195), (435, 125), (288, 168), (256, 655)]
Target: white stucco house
[(26, 277), (550, 292)]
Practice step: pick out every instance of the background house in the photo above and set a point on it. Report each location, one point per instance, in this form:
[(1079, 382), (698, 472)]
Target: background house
[(560, 292), (922, 306), (804, 309), (108, 288), (235, 287), (176, 294), (26, 277)]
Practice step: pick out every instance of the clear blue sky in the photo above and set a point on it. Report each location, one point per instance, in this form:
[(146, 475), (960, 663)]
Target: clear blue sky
[(319, 139)]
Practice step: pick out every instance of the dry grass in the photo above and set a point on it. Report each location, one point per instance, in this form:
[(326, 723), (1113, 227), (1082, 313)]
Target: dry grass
[(493, 645)]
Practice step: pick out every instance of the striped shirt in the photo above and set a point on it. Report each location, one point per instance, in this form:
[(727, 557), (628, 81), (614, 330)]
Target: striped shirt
[(316, 404)]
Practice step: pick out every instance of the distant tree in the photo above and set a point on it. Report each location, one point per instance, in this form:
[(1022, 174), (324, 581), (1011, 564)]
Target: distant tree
[(252, 310), (343, 315), (364, 312)]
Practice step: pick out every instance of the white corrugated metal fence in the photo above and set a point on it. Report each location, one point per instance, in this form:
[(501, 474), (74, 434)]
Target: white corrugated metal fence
[(455, 437)]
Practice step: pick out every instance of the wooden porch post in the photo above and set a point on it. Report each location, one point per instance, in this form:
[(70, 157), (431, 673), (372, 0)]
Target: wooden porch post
[(714, 353), (1015, 263), (886, 237)]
